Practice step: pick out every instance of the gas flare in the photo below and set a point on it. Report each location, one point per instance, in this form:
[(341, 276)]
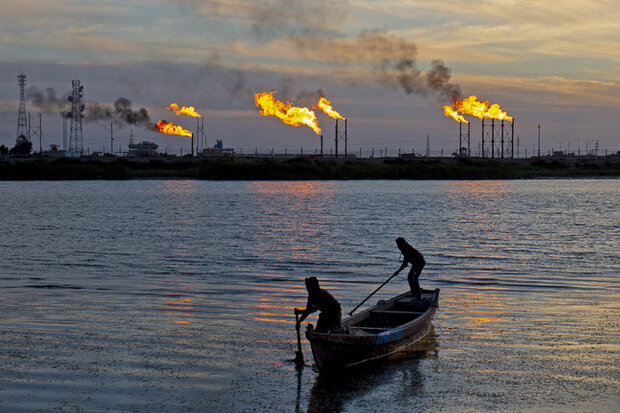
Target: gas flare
[(185, 110), (287, 113), (326, 106), (474, 107), (448, 111), (169, 128)]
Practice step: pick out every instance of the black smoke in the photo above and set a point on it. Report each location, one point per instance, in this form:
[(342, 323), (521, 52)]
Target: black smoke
[(47, 102), (391, 59), (121, 113)]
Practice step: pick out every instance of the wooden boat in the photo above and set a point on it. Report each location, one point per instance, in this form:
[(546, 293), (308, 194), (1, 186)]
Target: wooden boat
[(375, 333)]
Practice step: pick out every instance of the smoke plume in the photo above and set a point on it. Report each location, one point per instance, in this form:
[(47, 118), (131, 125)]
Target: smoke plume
[(391, 59), (121, 113), (47, 102)]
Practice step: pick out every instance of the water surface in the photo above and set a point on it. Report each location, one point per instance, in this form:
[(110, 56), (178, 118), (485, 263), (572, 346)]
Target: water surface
[(178, 295)]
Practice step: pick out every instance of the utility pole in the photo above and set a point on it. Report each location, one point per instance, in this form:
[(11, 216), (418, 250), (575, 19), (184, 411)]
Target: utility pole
[(539, 140), (428, 145), (112, 138), (40, 136)]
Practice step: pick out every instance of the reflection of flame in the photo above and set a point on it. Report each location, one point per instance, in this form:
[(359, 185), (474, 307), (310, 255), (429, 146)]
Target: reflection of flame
[(474, 107), (169, 128), (326, 106), (185, 110), (291, 115)]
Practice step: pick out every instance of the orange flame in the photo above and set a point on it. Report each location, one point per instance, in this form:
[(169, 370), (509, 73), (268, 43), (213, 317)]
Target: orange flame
[(169, 128), (185, 110), (448, 111), (291, 115), (326, 106), (474, 107)]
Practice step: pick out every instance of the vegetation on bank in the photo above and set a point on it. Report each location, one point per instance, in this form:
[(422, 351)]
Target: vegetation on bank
[(308, 169)]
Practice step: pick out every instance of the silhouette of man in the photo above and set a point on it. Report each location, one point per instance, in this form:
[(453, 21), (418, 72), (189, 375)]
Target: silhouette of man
[(416, 259), (320, 299)]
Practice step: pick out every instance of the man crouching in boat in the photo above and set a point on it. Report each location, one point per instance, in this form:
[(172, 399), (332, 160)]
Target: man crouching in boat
[(320, 299), (416, 259)]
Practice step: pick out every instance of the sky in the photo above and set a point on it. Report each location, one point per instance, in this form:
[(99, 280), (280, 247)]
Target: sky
[(388, 66)]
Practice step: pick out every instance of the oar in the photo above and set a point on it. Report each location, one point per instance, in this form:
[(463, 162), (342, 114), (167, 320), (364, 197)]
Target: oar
[(373, 293), (299, 355)]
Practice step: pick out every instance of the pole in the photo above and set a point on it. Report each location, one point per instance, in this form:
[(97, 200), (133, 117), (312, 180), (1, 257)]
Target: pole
[(336, 140), (512, 140), (492, 138), (502, 156), (482, 120), (539, 140), (468, 139), (299, 355), (112, 138), (345, 138), (40, 137), (373, 293)]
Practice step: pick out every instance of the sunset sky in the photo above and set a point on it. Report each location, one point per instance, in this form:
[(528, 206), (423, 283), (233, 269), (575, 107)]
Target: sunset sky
[(556, 63)]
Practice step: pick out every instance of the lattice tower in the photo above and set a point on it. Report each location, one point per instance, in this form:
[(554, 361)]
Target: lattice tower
[(76, 142), (22, 124)]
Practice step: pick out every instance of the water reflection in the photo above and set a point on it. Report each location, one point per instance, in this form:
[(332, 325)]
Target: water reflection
[(179, 187), (478, 305), (297, 188), (478, 187), (401, 373), (291, 217), (176, 305)]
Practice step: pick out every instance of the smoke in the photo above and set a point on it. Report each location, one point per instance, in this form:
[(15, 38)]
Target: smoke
[(47, 102), (121, 113), (272, 19), (313, 29), (391, 59), (309, 98)]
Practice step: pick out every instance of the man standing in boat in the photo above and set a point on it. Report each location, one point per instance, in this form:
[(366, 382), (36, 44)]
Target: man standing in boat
[(320, 299), (416, 259)]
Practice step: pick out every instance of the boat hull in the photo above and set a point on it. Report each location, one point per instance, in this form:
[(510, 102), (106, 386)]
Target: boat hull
[(342, 351)]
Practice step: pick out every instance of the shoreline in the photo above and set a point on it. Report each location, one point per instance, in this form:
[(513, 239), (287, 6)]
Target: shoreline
[(308, 168)]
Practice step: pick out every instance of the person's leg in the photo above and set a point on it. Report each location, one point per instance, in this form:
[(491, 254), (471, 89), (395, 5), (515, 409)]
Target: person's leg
[(322, 326), (328, 322), (413, 282)]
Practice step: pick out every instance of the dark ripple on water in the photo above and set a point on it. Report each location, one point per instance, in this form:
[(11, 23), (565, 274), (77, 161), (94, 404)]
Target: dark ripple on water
[(186, 305)]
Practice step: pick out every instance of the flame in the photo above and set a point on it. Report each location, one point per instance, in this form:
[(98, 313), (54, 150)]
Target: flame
[(448, 111), (169, 128), (474, 107), (185, 110), (326, 106), (291, 115)]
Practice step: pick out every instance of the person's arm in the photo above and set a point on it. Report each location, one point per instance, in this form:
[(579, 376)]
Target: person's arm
[(402, 267), (311, 307)]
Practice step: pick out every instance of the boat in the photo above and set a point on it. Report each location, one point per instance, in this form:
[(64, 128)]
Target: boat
[(375, 333)]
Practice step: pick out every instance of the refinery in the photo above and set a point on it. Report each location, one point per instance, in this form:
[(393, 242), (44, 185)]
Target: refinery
[(495, 138)]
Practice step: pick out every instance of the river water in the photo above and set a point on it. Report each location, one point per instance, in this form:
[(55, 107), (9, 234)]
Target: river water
[(160, 296)]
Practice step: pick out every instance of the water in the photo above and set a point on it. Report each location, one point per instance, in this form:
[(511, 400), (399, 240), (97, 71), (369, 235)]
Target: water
[(178, 295)]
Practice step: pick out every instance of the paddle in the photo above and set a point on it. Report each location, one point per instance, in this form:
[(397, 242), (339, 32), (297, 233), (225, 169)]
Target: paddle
[(299, 355), (373, 293)]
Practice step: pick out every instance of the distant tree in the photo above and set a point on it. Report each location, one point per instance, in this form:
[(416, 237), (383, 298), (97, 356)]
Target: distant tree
[(4, 150), (24, 147)]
